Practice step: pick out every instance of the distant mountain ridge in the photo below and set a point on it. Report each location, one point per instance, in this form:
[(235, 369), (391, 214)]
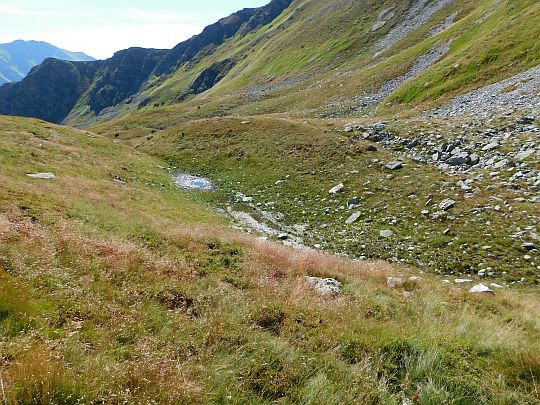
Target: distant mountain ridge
[(344, 58), (17, 58), (54, 89)]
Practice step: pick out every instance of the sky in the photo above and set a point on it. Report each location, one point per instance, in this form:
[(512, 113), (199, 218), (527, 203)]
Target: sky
[(101, 27)]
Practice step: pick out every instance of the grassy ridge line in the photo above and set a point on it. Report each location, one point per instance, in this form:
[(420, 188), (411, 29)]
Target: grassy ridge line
[(131, 293)]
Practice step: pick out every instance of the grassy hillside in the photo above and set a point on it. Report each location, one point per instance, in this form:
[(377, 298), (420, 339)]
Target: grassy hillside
[(249, 155), (118, 288), (280, 68)]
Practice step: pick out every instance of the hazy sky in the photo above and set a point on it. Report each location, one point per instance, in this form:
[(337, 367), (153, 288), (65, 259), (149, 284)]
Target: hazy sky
[(101, 27)]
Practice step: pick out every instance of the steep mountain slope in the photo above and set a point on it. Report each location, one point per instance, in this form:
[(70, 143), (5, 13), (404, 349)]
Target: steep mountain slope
[(117, 287), (19, 57), (314, 58), (108, 83)]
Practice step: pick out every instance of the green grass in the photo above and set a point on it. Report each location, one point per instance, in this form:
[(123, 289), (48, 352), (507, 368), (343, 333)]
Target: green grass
[(139, 294), (312, 158)]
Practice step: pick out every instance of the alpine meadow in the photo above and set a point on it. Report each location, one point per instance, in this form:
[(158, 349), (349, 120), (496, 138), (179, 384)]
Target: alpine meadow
[(309, 202)]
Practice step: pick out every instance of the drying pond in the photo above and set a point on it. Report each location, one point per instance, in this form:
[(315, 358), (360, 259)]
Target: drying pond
[(189, 182)]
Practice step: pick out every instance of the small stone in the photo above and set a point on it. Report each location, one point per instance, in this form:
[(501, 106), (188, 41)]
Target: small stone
[(325, 286), (283, 236), (481, 289), (490, 146), (394, 282), (336, 189), (526, 120), (528, 246), (353, 218), (386, 233), (447, 204), (394, 166), (353, 202), (414, 280), (460, 281), (42, 176)]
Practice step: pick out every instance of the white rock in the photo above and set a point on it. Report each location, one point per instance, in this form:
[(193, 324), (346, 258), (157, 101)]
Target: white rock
[(460, 281), (44, 176), (481, 288), (336, 189), (386, 233)]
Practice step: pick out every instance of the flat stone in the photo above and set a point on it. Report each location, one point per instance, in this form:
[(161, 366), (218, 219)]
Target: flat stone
[(481, 289), (386, 233), (283, 236), (524, 155), (447, 204), (490, 146), (42, 176), (460, 281), (394, 166), (353, 218)]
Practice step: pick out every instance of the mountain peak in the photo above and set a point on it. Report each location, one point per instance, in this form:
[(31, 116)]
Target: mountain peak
[(17, 58)]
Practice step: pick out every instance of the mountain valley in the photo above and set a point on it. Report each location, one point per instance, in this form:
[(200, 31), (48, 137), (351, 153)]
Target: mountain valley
[(309, 202)]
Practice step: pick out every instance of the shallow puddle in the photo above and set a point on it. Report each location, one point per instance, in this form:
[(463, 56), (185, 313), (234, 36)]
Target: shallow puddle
[(189, 182)]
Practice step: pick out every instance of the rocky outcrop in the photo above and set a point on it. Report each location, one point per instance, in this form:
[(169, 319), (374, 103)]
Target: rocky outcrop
[(50, 90), (211, 76)]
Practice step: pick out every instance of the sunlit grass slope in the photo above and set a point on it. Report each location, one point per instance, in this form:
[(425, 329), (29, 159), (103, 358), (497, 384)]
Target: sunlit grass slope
[(137, 293)]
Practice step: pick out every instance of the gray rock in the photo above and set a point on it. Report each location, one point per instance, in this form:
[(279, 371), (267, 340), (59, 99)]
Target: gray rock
[(462, 158), (524, 155), (394, 282), (528, 246), (386, 233), (447, 204), (283, 236), (394, 166), (379, 127), (325, 286), (353, 218), (490, 146), (353, 202), (460, 281), (526, 120), (535, 200)]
